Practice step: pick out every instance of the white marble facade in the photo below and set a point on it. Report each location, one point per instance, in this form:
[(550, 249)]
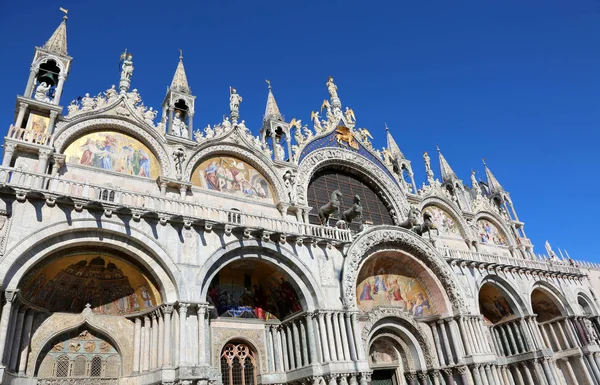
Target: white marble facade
[(137, 251)]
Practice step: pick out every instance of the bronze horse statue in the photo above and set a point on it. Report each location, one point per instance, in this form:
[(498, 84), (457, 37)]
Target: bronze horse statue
[(355, 211), (411, 221), (426, 226), (330, 208)]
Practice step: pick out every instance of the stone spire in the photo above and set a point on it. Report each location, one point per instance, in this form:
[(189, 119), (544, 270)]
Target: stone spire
[(447, 173), (392, 145), (180, 82), (271, 110), (58, 41), (493, 183)]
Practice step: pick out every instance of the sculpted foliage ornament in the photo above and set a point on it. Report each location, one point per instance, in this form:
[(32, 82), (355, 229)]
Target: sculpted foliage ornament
[(379, 238)]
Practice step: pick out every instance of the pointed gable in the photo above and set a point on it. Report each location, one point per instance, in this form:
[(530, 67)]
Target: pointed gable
[(58, 41), (180, 82)]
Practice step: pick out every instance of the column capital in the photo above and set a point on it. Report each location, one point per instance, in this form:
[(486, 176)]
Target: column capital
[(23, 105), (45, 153), (168, 309), (410, 376), (461, 369), (10, 295)]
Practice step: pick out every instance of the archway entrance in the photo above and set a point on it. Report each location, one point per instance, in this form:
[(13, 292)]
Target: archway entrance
[(238, 364), (81, 353), (384, 359)]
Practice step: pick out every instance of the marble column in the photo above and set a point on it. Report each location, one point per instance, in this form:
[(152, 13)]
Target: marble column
[(438, 346), (548, 373), (529, 346), (344, 335), (30, 82), (304, 342), (324, 338), (59, 89), (161, 339), (297, 344), (554, 336), (497, 375), (21, 115), (17, 338), (511, 338), (167, 311), (357, 339), (312, 348), (5, 321), (146, 349), (539, 372), (518, 338), (154, 347), (449, 376), (448, 348), (137, 345), (528, 376), (435, 376), (504, 340), (338, 336), (518, 376), (25, 342), (571, 335), (202, 326), (284, 347), (490, 375), (465, 337), (483, 374), (9, 150), (290, 346), (459, 347), (465, 375), (476, 375), (411, 378), (276, 348), (498, 342), (592, 364), (170, 122), (183, 336), (332, 337), (423, 378), (474, 339), (350, 335), (569, 370), (563, 336)]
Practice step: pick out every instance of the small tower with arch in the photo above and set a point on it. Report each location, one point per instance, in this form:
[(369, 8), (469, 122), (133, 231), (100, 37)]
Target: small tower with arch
[(178, 106), (275, 131)]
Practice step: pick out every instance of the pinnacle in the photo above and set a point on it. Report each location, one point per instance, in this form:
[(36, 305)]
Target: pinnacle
[(493, 183), (58, 41), (180, 82), (272, 110), (446, 170), (391, 143)]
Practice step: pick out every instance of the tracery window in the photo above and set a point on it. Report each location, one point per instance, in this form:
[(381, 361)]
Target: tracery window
[(326, 181), (238, 365)]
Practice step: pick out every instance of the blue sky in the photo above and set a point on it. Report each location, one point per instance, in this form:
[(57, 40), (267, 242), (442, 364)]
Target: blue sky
[(516, 82)]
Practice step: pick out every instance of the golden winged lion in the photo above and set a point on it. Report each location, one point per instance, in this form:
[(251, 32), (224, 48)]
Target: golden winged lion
[(343, 134)]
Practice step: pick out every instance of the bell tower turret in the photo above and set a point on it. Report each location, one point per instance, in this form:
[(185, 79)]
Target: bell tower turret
[(275, 131), (178, 106)]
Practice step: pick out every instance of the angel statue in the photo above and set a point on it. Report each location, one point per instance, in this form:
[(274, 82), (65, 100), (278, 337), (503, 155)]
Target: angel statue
[(332, 88), (296, 123), (316, 119), (127, 66), (41, 92), (350, 117), (307, 132), (364, 134), (209, 132), (299, 137), (198, 137)]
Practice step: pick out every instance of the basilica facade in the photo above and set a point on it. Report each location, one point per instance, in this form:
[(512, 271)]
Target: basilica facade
[(138, 246)]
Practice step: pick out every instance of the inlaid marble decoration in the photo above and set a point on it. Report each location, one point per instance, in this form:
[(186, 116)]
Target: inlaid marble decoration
[(493, 304), (382, 283), (234, 177), (253, 289), (443, 221), (489, 233), (113, 151), (109, 284)]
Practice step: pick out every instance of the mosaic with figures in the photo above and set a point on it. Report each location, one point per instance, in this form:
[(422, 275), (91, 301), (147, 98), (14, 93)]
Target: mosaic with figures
[(113, 151), (233, 177), (443, 221), (383, 283), (489, 233), (109, 284)]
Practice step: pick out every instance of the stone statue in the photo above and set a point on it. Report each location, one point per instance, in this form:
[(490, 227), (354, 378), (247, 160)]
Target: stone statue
[(279, 152), (134, 97), (150, 115), (289, 181), (474, 183), (209, 132), (87, 103), (355, 211), (234, 103), (299, 137), (330, 208), (127, 67), (185, 133), (332, 88), (349, 114), (179, 156), (111, 95), (72, 108), (198, 137), (549, 250), (161, 126), (178, 124), (307, 133), (226, 125), (426, 226), (427, 161), (316, 119), (41, 92)]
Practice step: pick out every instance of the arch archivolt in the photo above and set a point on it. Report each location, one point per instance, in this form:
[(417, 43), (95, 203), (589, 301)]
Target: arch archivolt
[(498, 221), (85, 232), (519, 305), (554, 293), (47, 57), (118, 329), (393, 238), (281, 257), (399, 323), (331, 156), (451, 209), (581, 293), (402, 349), (261, 163), (71, 131)]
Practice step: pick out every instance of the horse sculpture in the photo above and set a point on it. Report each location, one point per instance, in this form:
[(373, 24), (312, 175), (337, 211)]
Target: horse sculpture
[(426, 226), (330, 208), (411, 221), (355, 211)]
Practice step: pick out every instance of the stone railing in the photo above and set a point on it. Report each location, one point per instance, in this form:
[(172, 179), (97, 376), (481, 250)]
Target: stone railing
[(473, 256), (188, 212), (78, 381), (30, 135)]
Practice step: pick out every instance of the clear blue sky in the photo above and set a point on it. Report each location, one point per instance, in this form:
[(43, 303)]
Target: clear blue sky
[(516, 82)]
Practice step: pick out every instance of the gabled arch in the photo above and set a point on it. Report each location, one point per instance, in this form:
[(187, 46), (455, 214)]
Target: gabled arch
[(331, 156), (498, 222), (259, 161), (67, 134), (378, 238)]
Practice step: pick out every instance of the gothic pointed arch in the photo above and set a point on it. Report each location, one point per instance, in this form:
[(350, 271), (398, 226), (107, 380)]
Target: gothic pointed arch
[(257, 162), (403, 244), (146, 145), (367, 172), (36, 248)]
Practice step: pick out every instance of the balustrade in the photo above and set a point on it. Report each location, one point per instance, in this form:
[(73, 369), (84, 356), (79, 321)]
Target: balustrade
[(30, 135)]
